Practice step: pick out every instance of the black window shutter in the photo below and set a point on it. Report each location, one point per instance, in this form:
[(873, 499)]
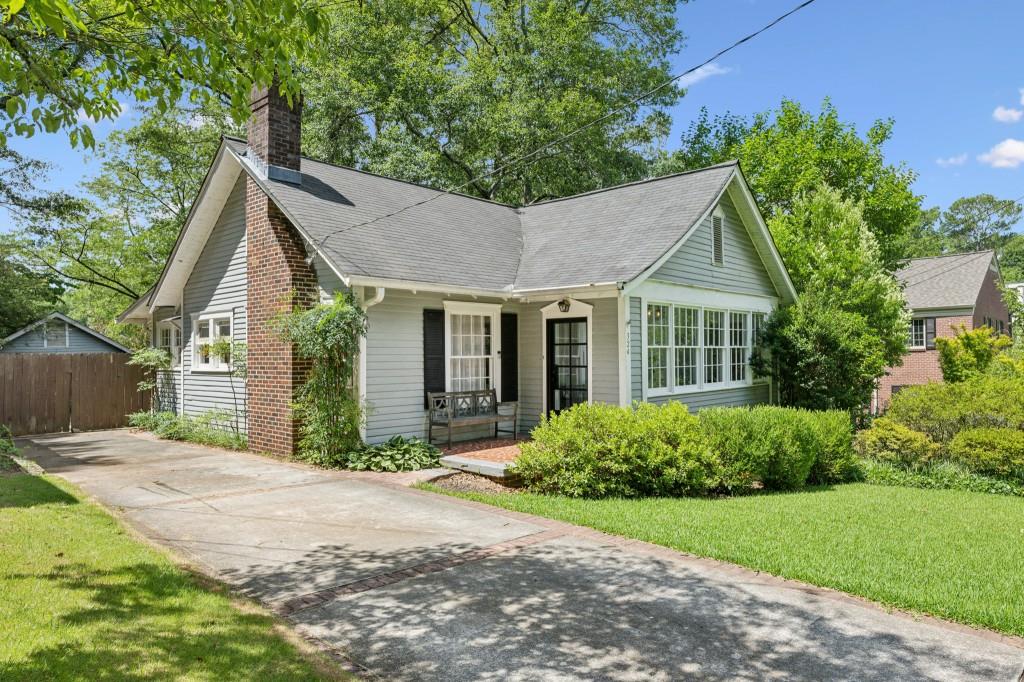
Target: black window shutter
[(433, 352), (929, 333), (509, 357)]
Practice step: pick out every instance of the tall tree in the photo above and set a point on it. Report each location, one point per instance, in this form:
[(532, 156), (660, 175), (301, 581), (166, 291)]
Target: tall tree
[(789, 151), (444, 91), (1011, 259), (980, 222), (113, 248), (27, 293), (60, 59)]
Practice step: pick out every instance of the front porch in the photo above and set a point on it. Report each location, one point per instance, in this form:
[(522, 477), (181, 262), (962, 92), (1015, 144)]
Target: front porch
[(488, 457)]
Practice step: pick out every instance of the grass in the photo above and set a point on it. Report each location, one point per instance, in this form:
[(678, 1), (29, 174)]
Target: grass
[(82, 599), (952, 554)]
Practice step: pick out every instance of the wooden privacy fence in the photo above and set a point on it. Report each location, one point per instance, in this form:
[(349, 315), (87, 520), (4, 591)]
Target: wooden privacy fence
[(48, 392)]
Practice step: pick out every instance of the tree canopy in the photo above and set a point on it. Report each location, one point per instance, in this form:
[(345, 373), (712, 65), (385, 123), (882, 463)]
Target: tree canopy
[(64, 64), (443, 92), (789, 151)]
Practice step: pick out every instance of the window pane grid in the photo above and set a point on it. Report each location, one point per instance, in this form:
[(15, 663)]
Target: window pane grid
[(714, 346), (917, 333), (470, 368), (657, 345), (687, 343), (738, 346)]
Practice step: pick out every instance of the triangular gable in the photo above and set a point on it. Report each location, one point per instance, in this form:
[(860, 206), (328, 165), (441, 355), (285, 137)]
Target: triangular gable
[(738, 193), (64, 318)]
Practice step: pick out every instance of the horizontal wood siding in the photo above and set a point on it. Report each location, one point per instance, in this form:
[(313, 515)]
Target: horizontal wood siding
[(394, 362), (742, 270), (168, 383), (727, 397), (636, 351), (78, 342), (217, 282)]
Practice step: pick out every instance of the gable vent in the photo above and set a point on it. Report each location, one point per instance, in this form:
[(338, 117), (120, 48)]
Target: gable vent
[(717, 257)]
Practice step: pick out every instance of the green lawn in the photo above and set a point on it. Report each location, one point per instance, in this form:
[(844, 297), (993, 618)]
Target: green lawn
[(81, 599), (953, 554)]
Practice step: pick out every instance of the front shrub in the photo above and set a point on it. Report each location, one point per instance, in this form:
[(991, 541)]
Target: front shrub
[(599, 450), (941, 411), (836, 460), (891, 442), (990, 452), (397, 454), (779, 447)]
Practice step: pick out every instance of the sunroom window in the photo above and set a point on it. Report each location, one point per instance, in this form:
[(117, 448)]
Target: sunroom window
[(714, 346), (657, 346), (690, 348)]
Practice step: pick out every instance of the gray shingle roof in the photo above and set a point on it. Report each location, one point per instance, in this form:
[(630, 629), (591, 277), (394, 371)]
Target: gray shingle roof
[(605, 236), (944, 281)]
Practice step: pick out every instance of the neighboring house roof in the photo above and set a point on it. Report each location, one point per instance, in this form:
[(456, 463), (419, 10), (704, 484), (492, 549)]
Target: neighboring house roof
[(63, 318), (952, 281), (370, 228)]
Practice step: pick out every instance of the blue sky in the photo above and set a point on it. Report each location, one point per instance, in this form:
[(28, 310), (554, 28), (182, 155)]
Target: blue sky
[(950, 73)]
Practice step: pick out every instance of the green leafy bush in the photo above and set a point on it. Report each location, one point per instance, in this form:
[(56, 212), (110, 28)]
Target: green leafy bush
[(891, 442), (600, 450), (990, 452), (397, 454), (970, 352), (943, 410), (781, 448), (211, 428), (937, 475), (7, 441)]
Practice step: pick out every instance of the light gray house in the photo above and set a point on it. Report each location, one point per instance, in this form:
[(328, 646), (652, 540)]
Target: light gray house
[(57, 333), (648, 291)]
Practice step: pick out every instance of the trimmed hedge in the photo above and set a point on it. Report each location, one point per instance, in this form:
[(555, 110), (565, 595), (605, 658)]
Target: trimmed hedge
[(990, 452), (940, 411), (600, 450), (890, 442)]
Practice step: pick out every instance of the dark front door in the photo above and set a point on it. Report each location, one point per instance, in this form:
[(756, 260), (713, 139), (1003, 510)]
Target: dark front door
[(567, 363)]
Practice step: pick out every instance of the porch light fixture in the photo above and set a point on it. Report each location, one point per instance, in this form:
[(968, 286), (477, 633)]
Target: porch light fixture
[(564, 305)]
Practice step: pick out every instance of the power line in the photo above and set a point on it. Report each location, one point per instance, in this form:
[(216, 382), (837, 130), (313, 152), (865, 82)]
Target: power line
[(636, 100)]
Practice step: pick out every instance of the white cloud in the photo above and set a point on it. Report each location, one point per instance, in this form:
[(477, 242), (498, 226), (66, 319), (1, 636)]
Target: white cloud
[(1007, 154), (958, 160), (703, 73), (1007, 115)]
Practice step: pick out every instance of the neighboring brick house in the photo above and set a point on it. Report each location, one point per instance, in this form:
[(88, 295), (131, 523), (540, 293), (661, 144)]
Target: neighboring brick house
[(943, 293)]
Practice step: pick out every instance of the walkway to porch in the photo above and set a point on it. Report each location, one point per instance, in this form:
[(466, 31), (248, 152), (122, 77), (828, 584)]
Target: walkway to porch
[(488, 457)]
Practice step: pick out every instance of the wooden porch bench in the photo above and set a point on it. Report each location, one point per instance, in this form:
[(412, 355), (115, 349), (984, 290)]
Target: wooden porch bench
[(454, 409)]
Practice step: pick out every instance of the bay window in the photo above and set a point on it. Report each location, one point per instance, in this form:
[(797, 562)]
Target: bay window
[(690, 348)]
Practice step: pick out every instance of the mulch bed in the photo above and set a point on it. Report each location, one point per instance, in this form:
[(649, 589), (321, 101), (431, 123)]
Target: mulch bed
[(8, 467), (471, 483)]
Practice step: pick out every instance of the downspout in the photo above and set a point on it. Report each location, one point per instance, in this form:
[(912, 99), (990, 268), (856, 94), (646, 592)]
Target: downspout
[(378, 296)]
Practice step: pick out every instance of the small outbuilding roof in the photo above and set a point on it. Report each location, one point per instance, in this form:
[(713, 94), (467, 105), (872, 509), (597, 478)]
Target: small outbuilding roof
[(74, 323), (952, 281)]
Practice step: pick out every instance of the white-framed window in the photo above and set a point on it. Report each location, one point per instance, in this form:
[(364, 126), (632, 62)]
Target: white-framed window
[(714, 346), (657, 346), (168, 338), (472, 346), (207, 330), (718, 237), (687, 345), (55, 334), (739, 347), (918, 338), (691, 348)]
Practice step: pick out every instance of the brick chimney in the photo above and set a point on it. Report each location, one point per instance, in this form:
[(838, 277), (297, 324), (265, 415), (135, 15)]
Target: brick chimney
[(278, 276)]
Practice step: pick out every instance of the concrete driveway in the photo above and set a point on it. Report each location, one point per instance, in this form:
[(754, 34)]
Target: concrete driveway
[(412, 586)]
